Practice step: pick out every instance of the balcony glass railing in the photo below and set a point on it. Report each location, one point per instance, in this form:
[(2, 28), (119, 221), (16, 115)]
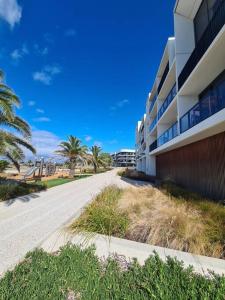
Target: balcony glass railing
[(154, 122), (207, 38), (153, 103), (168, 135), (205, 108), (166, 71), (167, 102)]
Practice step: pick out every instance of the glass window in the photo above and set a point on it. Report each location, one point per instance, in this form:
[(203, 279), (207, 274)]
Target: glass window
[(212, 7), (220, 92), (204, 15), (201, 20)]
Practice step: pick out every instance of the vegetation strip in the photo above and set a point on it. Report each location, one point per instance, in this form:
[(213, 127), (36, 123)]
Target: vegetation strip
[(59, 181), (10, 189), (167, 216), (79, 274)]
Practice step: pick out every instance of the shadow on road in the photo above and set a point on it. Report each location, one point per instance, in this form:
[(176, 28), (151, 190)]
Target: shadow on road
[(137, 183), (26, 198)]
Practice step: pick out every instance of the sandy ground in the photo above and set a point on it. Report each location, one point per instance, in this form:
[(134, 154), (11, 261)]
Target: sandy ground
[(12, 173)]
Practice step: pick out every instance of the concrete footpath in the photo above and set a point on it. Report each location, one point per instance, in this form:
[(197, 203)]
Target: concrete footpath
[(107, 246), (25, 222)]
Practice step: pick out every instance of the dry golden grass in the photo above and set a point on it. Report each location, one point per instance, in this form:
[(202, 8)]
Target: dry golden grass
[(158, 218)]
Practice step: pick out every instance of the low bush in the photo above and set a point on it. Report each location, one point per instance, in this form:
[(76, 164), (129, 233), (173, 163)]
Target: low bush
[(11, 189), (102, 215), (78, 274), (100, 170), (136, 175)]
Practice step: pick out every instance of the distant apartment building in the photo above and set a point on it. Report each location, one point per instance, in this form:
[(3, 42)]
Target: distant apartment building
[(182, 135), (124, 158)]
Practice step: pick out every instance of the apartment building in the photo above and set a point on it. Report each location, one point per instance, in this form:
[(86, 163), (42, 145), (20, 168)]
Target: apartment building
[(124, 158), (185, 111), (140, 145)]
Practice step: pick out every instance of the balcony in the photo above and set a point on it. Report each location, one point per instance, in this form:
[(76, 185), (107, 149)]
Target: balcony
[(166, 71), (202, 110), (153, 102), (154, 122), (153, 146), (168, 135), (167, 102), (209, 35)]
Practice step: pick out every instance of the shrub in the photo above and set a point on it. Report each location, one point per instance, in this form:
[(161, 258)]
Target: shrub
[(102, 215), (78, 274), (136, 175), (11, 189)]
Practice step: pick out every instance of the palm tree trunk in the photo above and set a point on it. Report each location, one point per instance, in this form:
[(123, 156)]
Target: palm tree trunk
[(72, 169)]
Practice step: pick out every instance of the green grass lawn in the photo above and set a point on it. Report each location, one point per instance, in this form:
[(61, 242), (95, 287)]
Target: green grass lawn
[(59, 181), (10, 189), (78, 274)]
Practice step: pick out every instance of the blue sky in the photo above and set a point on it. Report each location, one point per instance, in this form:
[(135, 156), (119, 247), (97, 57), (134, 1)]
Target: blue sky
[(83, 67)]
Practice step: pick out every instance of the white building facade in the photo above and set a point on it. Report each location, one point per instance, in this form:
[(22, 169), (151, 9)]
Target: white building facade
[(124, 158), (185, 111)]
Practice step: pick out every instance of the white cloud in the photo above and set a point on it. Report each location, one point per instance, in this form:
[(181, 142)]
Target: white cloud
[(88, 138), (46, 75), (70, 32), (10, 11), (122, 103), (119, 104), (17, 54), (40, 111), (31, 103), (40, 51), (45, 142), (42, 119), (42, 77), (52, 69), (24, 49)]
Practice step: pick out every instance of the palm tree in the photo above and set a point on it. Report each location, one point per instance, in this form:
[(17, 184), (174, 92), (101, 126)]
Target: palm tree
[(96, 158), (73, 150), (15, 133)]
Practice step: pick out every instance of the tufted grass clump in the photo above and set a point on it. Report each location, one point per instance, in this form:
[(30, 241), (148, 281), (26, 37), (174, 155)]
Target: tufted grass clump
[(102, 215)]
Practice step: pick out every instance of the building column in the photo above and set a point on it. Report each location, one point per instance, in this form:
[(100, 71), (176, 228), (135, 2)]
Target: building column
[(151, 165)]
